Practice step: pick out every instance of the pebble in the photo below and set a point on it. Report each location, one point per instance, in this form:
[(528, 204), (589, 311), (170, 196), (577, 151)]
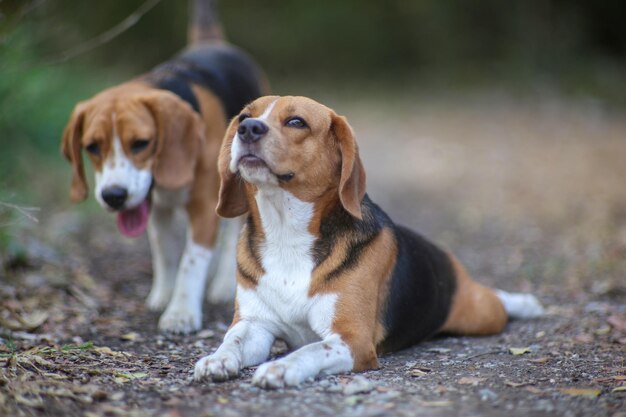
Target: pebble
[(117, 396), (358, 385), (390, 395), (205, 334), (544, 405), (334, 388), (324, 383), (439, 350), (487, 395)]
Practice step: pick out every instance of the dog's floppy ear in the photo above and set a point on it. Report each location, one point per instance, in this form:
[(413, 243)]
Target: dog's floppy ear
[(71, 148), (180, 138), (352, 180), (232, 198)]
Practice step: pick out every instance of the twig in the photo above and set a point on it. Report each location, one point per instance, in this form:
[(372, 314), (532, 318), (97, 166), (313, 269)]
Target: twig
[(104, 37), (24, 211), (27, 9), (490, 352), (23, 12)]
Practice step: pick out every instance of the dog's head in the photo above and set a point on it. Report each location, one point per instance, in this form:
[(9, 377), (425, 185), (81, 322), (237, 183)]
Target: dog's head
[(133, 136), (293, 143)]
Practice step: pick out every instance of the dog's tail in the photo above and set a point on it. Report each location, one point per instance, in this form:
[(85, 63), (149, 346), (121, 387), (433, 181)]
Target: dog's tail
[(204, 24), (520, 306)]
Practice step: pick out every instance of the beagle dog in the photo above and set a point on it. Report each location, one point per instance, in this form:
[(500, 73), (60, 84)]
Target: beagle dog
[(153, 143), (321, 266)]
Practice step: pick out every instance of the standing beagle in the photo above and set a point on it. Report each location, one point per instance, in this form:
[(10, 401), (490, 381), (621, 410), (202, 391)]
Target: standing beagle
[(153, 143), (321, 266)]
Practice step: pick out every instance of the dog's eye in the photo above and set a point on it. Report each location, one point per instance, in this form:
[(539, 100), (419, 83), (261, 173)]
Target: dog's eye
[(139, 145), (243, 116), (93, 148), (296, 122)]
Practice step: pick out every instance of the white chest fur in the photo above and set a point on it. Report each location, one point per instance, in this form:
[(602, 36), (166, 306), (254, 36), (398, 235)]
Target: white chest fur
[(281, 299)]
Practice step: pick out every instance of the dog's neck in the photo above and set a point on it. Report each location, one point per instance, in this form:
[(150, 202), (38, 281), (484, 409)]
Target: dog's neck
[(280, 235), (281, 214), (272, 206)]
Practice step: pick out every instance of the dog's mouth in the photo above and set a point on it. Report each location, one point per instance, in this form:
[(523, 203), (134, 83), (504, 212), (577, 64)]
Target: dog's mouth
[(252, 161), (133, 222)]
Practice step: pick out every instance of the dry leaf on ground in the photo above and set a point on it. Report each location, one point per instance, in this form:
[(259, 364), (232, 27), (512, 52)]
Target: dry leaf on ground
[(517, 384), (581, 392), (470, 380), (443, 403), (618, 322)]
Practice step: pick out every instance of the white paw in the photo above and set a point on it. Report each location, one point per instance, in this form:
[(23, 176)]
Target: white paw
[(180, 319), (158, 298), (278, 374), (216, 368)]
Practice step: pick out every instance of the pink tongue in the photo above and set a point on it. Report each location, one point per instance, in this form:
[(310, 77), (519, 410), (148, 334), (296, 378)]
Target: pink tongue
[(132, 223)]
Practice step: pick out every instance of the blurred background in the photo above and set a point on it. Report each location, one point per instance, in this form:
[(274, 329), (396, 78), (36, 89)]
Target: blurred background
[(575, 49), (495, 127)]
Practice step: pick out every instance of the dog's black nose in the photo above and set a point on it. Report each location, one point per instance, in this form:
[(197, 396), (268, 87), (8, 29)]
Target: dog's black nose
[(115, 197), (251, 130)]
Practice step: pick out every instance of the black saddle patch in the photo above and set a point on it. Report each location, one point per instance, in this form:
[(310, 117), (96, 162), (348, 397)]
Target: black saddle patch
[(420, 291), (224, 70)]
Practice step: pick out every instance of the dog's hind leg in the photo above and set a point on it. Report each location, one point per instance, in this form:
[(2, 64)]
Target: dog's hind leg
[(479, 310), (476, 309), (184, 312)]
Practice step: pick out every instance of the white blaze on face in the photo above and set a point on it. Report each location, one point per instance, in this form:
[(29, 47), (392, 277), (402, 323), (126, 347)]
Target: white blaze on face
[(119, 171), (236, 150), (268, 111)]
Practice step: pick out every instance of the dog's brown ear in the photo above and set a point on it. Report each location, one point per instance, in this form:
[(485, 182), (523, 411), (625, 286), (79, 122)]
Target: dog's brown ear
[(71, 148), (232, 199), (352, 180), (180, 139)]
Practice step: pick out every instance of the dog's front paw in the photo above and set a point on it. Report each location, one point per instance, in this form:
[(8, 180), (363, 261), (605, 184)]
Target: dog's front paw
[(180, 319), (216, 367), (158, 298), (278, 374)]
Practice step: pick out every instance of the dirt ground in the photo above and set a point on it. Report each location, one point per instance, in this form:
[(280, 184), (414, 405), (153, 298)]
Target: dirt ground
[(528, 193)]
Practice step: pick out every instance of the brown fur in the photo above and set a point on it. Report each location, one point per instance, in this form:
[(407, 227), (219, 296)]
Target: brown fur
[(232, 195), (249, 269), (352, 180)]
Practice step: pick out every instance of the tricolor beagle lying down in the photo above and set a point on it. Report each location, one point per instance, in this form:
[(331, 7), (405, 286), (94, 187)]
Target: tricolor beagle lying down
[(321, 266), (153, 143)]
